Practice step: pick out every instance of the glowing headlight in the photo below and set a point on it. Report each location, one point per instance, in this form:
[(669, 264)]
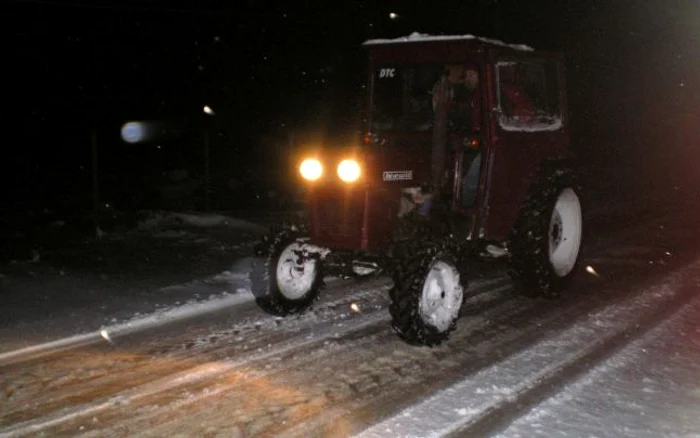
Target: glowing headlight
[(349, 170), (311, 169)]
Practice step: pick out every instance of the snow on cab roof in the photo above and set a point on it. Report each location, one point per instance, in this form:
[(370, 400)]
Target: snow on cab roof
[(421, 37)]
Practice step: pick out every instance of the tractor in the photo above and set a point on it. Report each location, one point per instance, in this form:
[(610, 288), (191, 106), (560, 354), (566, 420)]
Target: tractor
[(464, 157)]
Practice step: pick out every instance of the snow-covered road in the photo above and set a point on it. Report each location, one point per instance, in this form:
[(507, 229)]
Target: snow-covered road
[(490, 399), (649, 389), (218, 366)]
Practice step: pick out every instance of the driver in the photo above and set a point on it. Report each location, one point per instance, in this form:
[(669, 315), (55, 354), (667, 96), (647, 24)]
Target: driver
[(466, 99), (454, 94)]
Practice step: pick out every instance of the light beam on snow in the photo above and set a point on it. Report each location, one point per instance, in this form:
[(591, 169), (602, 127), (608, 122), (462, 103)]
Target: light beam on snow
[(592, 271)]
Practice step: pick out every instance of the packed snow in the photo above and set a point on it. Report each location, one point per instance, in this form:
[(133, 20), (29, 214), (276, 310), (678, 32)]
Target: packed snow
[(651, 388)]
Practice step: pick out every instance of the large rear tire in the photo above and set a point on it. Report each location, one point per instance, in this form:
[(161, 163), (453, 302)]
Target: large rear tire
[(427, 296), (546, 242), (286, 278)]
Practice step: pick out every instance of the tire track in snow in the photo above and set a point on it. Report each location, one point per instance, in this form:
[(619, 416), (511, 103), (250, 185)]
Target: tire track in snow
[(387, 365), (204, 380), (200, 375), (346, 340), (186, 361), (487, 401), (678, 338), (353, 348), (481, 338), (279, 343), (142, 372), (524, 330)]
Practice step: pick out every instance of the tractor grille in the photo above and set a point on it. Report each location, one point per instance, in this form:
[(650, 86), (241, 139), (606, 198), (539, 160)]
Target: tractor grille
[(340, 218)]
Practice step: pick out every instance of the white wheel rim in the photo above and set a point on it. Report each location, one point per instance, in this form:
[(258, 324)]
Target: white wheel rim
[(565, 232), (294, 279), (442, 296)]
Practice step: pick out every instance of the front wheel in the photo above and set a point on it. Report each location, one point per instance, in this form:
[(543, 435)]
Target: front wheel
[(426, 298), (287, 275), (547, 240)]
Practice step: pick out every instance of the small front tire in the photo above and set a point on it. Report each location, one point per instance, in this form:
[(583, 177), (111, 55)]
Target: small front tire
[(286, 278)]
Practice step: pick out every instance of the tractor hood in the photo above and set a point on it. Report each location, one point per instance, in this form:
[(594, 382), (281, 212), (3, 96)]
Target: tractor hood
[(400, 159)]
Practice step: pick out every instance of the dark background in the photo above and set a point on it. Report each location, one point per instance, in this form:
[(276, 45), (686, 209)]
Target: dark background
[(281, 74)]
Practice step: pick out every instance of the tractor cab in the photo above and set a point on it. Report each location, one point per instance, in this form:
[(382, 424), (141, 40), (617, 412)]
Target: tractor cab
[(475, 117)]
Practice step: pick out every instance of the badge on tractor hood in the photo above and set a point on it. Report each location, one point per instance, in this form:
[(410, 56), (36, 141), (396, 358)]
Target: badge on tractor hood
[(397, 175)]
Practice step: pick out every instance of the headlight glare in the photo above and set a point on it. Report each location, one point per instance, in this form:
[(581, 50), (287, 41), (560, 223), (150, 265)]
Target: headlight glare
[(349, 170), (311, 169)]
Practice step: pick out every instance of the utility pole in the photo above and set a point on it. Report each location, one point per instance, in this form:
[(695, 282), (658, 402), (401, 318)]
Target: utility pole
[(93, 134), (95, 184)]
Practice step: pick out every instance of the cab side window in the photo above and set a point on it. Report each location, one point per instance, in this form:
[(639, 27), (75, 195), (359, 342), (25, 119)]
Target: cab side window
[(528, 96)]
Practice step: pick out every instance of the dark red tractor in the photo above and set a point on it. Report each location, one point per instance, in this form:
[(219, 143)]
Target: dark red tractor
[(466, 157)]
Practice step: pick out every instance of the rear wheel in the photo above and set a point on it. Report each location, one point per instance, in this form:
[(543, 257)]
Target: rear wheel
[(547, 239), (565, 229), (287, 275), (426, 297)]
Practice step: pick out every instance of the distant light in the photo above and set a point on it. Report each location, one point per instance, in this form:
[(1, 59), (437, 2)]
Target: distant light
[(133, 132), (592, 271), (354, 307), (393, 16), (208, 110), (141, 131)]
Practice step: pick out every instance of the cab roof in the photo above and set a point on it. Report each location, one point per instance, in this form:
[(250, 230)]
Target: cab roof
[(416, 37)]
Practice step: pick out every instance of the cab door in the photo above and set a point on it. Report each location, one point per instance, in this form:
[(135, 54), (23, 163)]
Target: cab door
[(526, 126)]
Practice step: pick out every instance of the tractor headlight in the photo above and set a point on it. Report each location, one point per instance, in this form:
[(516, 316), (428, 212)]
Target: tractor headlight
[(311, 169), (349, 170)]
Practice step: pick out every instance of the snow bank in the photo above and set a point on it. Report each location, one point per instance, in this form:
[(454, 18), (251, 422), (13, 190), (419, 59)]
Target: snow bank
[(139, 322), (199, 220)]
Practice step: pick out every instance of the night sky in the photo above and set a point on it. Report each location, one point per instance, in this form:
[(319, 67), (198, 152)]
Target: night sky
[(281, 72)]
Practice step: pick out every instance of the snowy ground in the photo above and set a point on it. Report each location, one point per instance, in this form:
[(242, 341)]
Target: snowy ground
[(649, 388), (171, 265), (153, 332)]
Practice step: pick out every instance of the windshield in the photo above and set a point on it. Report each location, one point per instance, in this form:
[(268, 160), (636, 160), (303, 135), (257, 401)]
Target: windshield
[(408, 98)]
